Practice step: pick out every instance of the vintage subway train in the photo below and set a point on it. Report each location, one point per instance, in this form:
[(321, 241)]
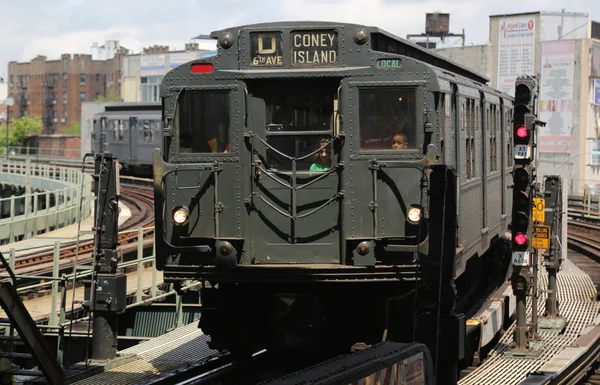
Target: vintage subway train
[(130, 131), (330, 184)]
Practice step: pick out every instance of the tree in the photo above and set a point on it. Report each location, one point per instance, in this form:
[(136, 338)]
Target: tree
[(110, 98), (73, 129), (21, 129)]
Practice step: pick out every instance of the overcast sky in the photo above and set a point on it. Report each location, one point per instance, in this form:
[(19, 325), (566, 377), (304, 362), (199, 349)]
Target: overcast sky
[(35, 27)]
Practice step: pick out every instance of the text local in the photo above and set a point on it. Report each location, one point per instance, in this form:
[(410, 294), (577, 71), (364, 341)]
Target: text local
[(316, 45)]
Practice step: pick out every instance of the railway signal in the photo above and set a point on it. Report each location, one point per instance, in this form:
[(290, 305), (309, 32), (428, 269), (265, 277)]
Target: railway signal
[(521, 214), (524, 120), (552, 255), (523, 188)]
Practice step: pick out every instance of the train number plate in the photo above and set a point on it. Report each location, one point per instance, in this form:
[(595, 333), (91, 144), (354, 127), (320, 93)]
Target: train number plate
[(520, 258), (522, 151)]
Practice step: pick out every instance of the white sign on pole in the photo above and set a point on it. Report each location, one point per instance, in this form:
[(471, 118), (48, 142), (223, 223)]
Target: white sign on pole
[(516, 51)]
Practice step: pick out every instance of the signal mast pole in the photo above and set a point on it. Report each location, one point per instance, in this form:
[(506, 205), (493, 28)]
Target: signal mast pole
[(523, 190)]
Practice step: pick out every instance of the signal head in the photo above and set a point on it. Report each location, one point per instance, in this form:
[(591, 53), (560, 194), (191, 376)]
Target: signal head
[(520, 221), (520, 239), (522, 132), (522, 177)]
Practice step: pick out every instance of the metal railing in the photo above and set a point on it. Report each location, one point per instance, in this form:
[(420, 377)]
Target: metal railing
[(42, 153), (62, 198), (59, 285)]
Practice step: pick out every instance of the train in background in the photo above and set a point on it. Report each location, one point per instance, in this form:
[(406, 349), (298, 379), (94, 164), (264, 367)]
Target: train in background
[(332, 184), (129, 131)]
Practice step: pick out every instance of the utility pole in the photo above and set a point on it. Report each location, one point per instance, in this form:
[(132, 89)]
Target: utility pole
[(523, 258), (108, 291)]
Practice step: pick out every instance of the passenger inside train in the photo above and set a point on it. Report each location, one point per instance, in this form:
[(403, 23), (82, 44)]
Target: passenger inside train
[(399, 142), (323, 157)]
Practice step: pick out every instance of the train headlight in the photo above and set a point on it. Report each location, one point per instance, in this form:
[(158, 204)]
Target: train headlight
[(180, 215), (414, 215)]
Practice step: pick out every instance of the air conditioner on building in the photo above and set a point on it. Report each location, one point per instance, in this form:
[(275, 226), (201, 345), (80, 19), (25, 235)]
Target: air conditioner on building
[(62, 120), (54, 102), (55, 120)]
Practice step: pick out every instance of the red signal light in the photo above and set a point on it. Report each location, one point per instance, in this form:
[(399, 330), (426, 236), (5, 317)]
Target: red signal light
[(202, 68), (522, 132), (520, 239)]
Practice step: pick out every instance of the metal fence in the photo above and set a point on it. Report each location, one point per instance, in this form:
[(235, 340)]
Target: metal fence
[(61, 285), (61, 198), (44, 153)]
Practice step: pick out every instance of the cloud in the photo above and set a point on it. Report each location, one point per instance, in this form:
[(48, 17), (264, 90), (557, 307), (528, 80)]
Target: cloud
[(71, 26)]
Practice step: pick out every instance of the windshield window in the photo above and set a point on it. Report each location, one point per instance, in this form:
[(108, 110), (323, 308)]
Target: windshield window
[(308, 112), (204, 122), (388, 119)]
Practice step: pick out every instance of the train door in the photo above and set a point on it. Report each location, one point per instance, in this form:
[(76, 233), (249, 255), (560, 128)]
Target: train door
[(295, 182), (386, 132), (135, 126), (202, 171)]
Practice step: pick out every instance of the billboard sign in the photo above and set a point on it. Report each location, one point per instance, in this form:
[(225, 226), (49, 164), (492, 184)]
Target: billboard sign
[(516, 51), (177, 59), (595, 62), (152, 65), (556, 96)]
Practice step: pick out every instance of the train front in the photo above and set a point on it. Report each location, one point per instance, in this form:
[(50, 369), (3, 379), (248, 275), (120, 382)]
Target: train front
[(294, 183)]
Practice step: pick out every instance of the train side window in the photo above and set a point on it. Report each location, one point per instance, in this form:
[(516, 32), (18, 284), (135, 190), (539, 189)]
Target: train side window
[(388, 118), (148, 127), (118, 129), (204, 122)]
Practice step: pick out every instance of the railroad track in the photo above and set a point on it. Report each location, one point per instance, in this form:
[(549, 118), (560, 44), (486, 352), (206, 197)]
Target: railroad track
[(137, 194), (584, 251)]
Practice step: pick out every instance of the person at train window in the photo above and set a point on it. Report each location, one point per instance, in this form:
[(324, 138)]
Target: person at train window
[(219, 143), (399, 142), (323, 157)]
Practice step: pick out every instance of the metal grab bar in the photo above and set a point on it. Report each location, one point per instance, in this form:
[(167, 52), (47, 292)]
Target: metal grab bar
[(253, 135), (338, 195), (289, 186), (293, 187)]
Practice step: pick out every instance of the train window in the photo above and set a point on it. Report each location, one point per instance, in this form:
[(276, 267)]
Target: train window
[(118, 129), (304, 111), (388, 118), (148, 128), (204, 122)]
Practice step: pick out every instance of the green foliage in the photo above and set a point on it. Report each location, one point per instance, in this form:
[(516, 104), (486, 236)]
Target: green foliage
[(110, 98), (73, 129), (20, 129)]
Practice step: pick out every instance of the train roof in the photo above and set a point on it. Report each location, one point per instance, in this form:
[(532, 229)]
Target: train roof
[(133, 106), (380, 40), (127, 113)]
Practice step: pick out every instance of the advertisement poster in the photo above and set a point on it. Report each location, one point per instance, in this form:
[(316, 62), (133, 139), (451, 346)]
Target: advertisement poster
[(516, 51), (177, 59), (152, 65), (556, 96), (595, 63)]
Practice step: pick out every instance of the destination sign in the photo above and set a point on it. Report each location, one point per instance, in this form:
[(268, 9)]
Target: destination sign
[(314, 48), (266, 49)]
